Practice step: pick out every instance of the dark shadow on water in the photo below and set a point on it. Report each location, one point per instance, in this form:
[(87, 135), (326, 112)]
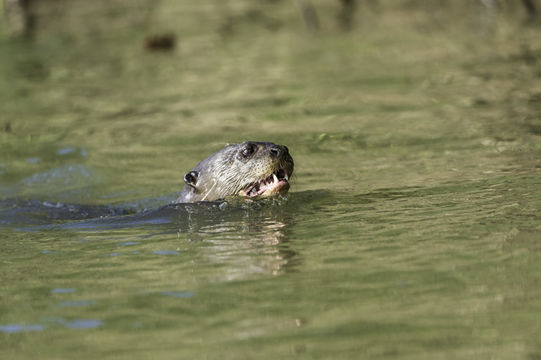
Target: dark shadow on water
[(252, 237), (197, 219), (29, 215), (17, 212)]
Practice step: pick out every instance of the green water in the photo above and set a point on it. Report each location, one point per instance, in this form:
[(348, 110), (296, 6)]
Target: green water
[(411, 230)]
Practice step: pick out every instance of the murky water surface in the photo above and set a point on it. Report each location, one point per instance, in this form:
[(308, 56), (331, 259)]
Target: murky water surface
[(412, 230)]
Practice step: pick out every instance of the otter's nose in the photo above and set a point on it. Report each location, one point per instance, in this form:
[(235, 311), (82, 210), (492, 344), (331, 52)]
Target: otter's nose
[(276, 151)]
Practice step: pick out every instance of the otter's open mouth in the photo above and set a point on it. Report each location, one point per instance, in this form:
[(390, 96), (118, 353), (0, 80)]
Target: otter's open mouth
[(277, 182)]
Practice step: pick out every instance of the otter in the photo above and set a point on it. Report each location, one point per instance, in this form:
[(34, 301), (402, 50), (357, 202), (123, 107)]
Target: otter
[(250, 170)]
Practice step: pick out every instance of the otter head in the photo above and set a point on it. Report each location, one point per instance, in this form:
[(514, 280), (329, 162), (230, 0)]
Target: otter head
[(251, 169)]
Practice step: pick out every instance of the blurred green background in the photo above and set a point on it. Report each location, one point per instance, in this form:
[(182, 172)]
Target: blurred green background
[(97, 74), (412, 226)]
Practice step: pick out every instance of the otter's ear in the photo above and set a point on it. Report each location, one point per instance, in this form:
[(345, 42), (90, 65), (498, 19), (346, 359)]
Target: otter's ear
[(191, 178)]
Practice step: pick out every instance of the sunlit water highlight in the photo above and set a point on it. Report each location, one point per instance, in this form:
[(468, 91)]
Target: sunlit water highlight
[(411, 230)]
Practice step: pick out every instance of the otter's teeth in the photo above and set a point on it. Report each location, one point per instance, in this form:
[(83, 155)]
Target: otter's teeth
[(274, 178)]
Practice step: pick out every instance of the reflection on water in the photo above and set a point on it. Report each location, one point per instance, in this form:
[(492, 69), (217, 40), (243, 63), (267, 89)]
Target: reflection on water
[(249, 236), (247, 247), (71, 324), (15, 328), (242, 240), (413, 215)]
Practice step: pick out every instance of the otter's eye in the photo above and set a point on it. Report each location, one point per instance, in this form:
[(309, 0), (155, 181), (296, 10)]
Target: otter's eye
[(191, 178), (248, 150)]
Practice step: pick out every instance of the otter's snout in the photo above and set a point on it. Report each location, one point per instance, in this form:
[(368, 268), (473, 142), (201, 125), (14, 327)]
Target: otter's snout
[(277, 151)]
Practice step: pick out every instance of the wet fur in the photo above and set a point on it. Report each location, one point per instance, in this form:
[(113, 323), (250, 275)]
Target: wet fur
[(227, 172)]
